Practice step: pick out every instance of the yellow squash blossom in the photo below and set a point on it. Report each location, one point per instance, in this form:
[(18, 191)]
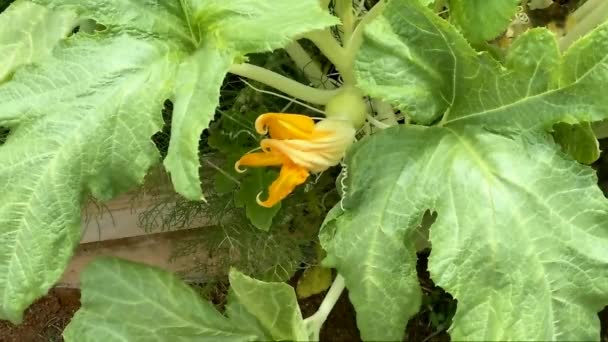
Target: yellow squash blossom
[(299, 147)]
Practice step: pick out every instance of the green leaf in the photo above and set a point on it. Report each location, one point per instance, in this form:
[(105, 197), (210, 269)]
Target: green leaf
[(78, 125), (522, 249), (126, 301), (251, 26), (163, 19), (274, 304), (238, 314), (315, 279), (482, 20), (197, 95), (373, 249), (31, 35), (578, 141), (429, 70), (255, 182)]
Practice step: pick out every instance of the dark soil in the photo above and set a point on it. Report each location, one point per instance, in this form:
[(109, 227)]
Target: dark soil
[(45, 320)]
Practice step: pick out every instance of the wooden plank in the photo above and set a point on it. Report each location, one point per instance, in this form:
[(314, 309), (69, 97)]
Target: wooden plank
[(154, 250), (113, 229), (118, 218)]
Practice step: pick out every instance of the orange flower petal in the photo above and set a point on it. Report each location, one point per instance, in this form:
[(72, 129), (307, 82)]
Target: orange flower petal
[(259, 159), (285, 126), (291, 176)]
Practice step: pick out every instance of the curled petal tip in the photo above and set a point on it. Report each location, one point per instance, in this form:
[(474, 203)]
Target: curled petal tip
[(237, 167), (261, 126), (261, 203)]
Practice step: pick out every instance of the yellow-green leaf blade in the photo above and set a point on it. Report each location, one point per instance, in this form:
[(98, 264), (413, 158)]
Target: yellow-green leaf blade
[(482, 20), (522, 249), (417, 61), (126, 301), (274, 305), (32, 32), (198, 83), (79, 127)]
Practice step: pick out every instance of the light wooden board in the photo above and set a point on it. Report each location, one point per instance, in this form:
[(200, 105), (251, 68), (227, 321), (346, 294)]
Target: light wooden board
[(119, 219), (113, 229), (153, 250)]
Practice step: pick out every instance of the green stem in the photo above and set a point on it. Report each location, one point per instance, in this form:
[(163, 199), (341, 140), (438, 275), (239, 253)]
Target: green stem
[(336, 54), (354, 44), (587, 18), (315, 322), (283, 84), (344, 9), (600, 129), (309, 67), (439, 5)]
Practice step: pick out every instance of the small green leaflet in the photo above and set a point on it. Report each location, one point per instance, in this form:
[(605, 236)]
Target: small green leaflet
[(126, 301), (129, 301), (429, 70), (578, 141), (482, 20), (234, 136), (257, 181), (274, 305), (522, 249)]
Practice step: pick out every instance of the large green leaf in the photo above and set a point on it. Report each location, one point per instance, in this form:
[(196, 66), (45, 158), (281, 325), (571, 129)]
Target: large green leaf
[(428, 69), (274, 305), (31, 35), (78, 124), (482, 20), (125, 301), (81, 118), (521, 239)]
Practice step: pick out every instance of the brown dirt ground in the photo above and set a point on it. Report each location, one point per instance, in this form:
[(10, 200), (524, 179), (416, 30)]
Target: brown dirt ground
[(45, 320)]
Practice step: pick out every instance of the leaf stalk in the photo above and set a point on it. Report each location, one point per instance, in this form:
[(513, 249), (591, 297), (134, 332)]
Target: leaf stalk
[(315, 322), (283, 84)]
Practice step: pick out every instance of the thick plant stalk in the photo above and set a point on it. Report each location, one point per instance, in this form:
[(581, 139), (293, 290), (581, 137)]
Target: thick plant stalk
[(385, 113), (586, 18), (344, 9), (309, 67), (315, 322), (283, 84), (336, 54), (354, 44)]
